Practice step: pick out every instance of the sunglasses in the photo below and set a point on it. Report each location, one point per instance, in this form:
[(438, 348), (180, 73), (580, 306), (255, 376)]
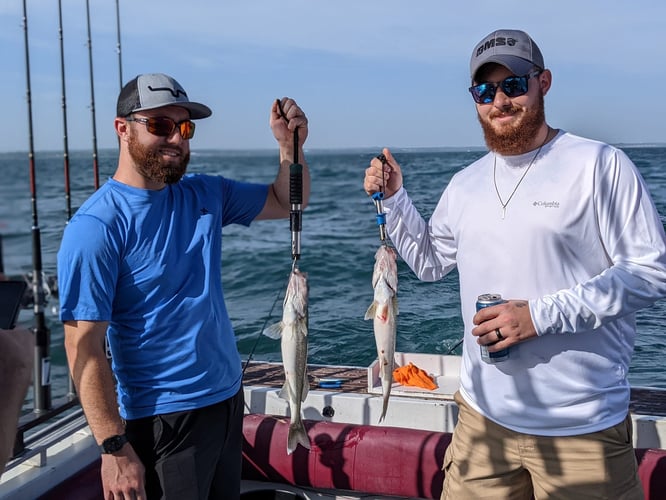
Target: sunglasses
[(164, 127), (513, 86)]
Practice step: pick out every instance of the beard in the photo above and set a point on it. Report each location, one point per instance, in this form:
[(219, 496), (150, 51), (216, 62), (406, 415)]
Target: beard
[(151, 165), (516, 138)]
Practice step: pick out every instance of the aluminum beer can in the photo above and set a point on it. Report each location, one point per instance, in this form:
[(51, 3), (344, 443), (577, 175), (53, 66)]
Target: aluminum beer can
[(487, 300)]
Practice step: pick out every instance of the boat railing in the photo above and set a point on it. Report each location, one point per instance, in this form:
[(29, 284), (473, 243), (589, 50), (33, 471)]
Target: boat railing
[(44, 410), (33, 448), (41, 421)]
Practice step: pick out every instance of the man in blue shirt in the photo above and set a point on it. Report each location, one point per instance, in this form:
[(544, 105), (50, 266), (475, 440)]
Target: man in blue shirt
[(140, 263)]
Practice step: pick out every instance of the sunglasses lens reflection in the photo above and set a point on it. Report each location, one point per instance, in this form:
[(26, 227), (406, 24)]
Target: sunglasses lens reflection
[(483, 93), (160, 126), (164, 127), (186, 129), (514, 86)]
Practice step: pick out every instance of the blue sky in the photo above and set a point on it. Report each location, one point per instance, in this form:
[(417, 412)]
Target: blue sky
[(368, 73)]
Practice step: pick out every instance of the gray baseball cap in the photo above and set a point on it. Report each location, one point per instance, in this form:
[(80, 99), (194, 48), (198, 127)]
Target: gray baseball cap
[(156, 90), (513, 49)]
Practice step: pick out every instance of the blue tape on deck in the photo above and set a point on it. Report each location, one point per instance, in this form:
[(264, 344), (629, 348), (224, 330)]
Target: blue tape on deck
[(330, 383)]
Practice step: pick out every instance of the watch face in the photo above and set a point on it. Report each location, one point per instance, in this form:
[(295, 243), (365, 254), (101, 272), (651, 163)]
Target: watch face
[(114, 444)]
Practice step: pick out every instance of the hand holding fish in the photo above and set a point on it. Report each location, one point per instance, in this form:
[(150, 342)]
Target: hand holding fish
[(383, 176)]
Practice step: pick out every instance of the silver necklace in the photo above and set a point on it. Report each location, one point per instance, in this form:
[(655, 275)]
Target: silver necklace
[(499, 196)]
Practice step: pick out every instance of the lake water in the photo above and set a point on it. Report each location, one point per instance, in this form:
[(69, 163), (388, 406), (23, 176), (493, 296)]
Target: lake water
[(339, 239)]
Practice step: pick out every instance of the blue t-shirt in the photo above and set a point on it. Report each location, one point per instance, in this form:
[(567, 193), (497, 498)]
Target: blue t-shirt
[(149, 263)]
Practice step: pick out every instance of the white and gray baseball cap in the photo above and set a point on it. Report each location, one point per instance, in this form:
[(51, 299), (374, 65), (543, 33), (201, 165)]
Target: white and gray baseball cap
[(513, 49), (155, 90)]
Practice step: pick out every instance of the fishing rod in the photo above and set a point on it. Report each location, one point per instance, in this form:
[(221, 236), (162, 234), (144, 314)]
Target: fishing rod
[(295, 221), (378, 198), (295, 197), (68, 200), (92, 100), (71, 390), (296, 203), (42, 365), (120, 57)]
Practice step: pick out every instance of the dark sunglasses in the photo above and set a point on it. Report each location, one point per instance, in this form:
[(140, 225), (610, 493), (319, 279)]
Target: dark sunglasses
[(164, 127), (513, 86)]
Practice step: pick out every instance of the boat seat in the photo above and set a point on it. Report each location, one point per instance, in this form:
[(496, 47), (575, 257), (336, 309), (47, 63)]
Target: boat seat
[(375, 460)]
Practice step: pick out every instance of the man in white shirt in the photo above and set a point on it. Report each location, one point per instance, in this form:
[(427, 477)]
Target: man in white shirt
[(563, 228)]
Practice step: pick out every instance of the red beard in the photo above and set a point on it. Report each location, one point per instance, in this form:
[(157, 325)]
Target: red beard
[(517, 138), (152, 166)]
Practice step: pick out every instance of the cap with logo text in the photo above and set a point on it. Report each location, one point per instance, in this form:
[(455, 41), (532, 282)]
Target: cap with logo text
[(155, 90), (513, 49)]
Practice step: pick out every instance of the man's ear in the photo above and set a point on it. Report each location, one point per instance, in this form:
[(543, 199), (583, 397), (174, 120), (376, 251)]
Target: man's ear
[(545, 81), (121, 126)]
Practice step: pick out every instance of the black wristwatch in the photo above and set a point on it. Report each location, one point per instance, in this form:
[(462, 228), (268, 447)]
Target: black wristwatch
[(113, 444)]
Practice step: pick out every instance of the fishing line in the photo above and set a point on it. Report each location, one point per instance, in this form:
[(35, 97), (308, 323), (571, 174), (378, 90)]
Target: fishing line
[(455, 346), (263, 327)]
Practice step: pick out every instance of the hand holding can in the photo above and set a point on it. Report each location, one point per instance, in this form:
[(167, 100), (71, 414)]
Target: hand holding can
[(487, 300)]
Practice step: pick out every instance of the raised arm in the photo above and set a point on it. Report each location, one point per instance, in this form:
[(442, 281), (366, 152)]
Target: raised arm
[(286, 117)]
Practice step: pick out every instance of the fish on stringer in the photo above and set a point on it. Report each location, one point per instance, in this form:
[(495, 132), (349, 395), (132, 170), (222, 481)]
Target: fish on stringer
[(293, 332), (384, 311)]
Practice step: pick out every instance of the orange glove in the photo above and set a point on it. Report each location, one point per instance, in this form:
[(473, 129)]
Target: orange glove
[(413, 375)]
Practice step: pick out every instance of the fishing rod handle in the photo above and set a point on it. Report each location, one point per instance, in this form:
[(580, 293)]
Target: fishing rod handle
[(381, 216), (296, 201), (296, 184)]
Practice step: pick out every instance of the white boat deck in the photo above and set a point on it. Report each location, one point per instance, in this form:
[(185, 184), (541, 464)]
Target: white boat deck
[(58, 451), (353, 403)]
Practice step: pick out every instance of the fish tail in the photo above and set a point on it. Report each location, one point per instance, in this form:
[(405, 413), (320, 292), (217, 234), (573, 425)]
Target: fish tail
[(384, 407), (297, 435)]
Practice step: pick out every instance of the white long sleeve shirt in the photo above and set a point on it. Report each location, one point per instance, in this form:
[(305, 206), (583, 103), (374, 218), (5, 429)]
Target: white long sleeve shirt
[(582, 241)]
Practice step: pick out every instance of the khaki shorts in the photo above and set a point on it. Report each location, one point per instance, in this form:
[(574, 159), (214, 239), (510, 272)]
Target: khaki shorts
[(486, 460)]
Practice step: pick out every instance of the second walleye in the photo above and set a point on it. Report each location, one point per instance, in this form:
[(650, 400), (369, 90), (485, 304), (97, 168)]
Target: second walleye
[(293, 332), (384, 311)]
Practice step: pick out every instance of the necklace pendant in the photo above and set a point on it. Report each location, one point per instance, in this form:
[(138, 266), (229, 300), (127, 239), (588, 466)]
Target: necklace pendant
[(503, 212)]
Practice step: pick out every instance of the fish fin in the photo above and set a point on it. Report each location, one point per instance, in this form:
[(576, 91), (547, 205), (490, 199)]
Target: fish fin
[(297, 435), (370, 313), (284, 392), (273, 331)]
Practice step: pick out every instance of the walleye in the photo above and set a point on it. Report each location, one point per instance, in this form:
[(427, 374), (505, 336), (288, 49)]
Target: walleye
[(383, 311), (293, 330)]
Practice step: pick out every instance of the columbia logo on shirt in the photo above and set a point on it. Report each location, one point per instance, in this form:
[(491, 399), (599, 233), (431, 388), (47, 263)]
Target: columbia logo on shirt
[(546, 204)]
